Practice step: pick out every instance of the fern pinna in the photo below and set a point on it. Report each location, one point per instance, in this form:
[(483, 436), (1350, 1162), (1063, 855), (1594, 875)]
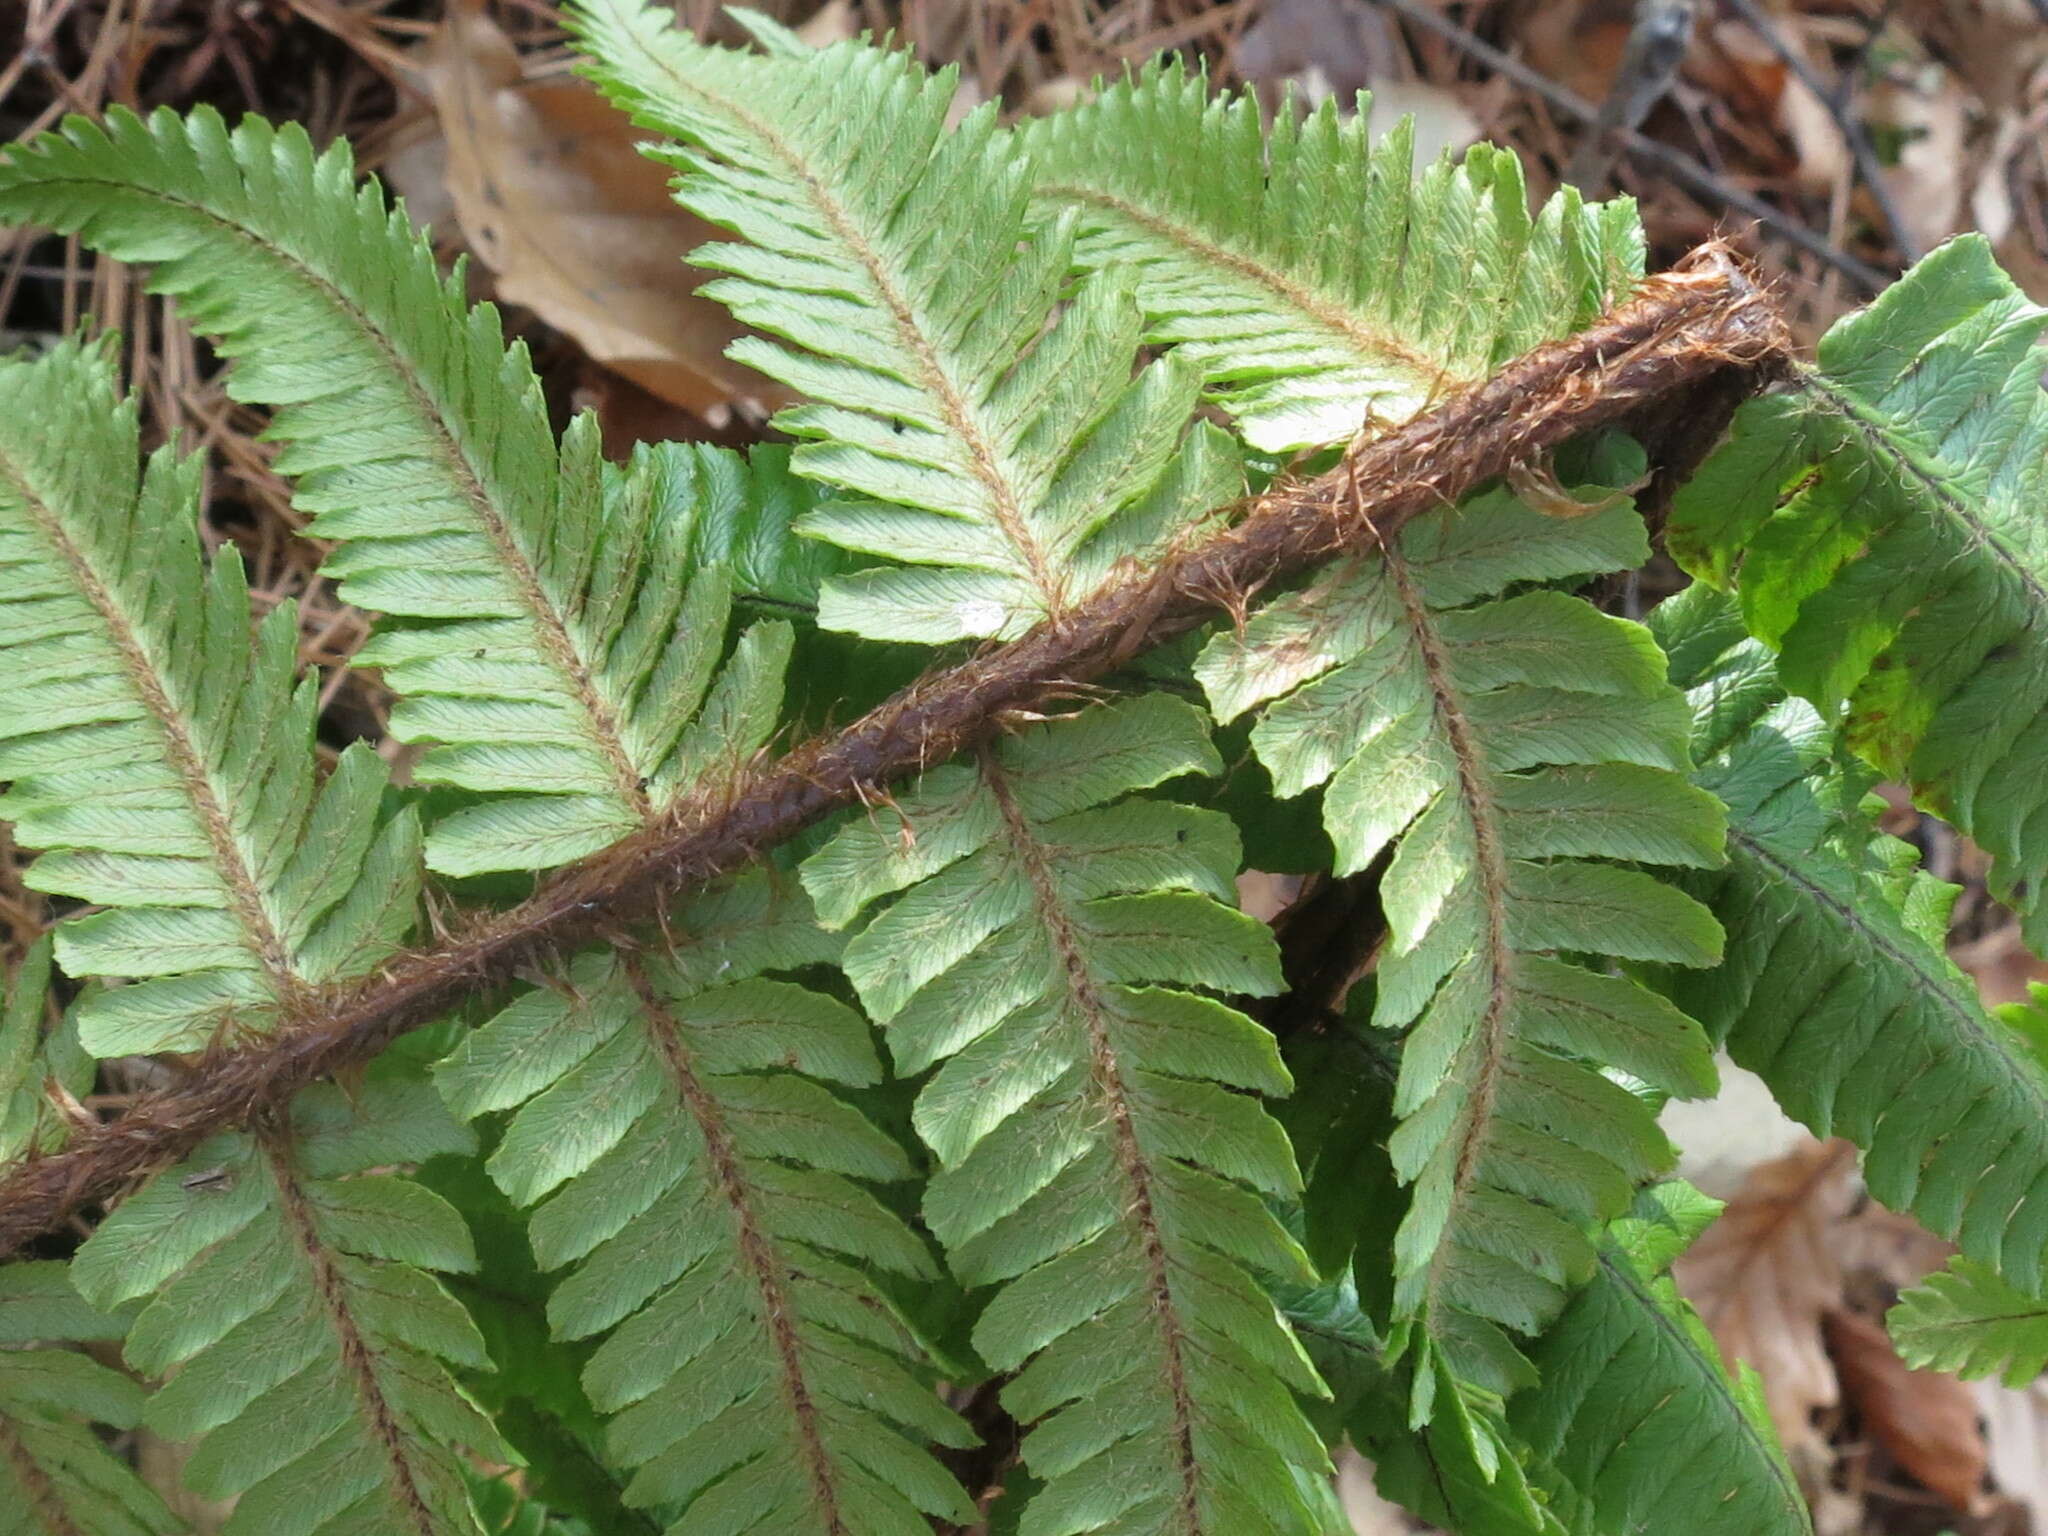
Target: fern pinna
[(956, 1154)]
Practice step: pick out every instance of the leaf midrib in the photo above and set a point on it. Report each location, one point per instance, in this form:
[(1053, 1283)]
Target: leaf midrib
[(379, 1416), (1371, 344), (1106, 1074), (1928, 982), (755, 1248), (1884, 438), (1493, 1030), (1716, 1381)]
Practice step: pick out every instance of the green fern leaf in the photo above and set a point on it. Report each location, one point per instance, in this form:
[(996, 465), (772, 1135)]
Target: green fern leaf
[(704, 1192), (1634, 1411), (1095, 1164), (651, 614), (1835, 989), (1629, 1386), (1504, 745), (56, 1477), (1882, 523), (560, 641), (1969, 1322), (160, 754), (1436, 1473), (289, 1287), (1314, 285), (982, 421)]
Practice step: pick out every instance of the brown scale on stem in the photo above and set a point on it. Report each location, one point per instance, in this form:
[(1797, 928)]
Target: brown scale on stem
[(1702, 326)]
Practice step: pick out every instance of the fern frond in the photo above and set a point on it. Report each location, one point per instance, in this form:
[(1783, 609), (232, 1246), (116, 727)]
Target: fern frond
[(1095, 1163), (1633, 1409), (705, 1194), (1501, 746), (1882, 524), (560, 638), (1317, 285), (1629, 1386), (982, 421), (288, 1286), (56, 1477), (1836, 990), (160, 754), (1969, 1322)]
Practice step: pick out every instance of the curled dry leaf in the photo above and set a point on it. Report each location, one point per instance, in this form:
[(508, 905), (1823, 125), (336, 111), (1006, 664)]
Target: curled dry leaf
[(579, 227), (1925, 1419), (1766, 1272)]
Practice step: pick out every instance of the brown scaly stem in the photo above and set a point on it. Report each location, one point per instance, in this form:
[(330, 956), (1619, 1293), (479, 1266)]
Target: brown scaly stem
[(1696, 328)]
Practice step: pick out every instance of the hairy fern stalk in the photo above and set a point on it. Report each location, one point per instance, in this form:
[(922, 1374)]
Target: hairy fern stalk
[(906, 1128)]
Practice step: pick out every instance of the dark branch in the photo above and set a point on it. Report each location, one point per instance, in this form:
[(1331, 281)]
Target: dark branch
[(1695, 328)]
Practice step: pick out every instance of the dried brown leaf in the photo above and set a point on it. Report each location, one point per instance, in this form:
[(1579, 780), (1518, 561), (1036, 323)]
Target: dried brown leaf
[(1766, 1272), (1925, 1419), (579, 227)]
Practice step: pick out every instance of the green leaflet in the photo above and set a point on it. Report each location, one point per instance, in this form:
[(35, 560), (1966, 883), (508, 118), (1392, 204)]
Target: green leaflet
[(1835, 989), (1882, 524), (648, 601), (56, 1478), (505, 1511), (289, 1286), (556, 646), (29, 1060), (1451, 1472), (1095, 1165), (1500, 747), (533, 1390), (1966, 1320), (160, 754), (1631, 1402), (981, 420), (1315, 286), (686, 1161), (1634, 1410)]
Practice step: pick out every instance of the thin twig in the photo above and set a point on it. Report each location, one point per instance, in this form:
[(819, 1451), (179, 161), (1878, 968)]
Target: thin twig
[(1676, 164), (1656, 49), (1685, 332), (1868, 171)]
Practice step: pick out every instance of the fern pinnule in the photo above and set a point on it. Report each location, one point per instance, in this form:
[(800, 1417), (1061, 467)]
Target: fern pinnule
[(1880, 523), (32, 1061), (1502, 746), (981, 421), (696, 1180), (1966, 1320), (1102, 1160), (161, 756), (1836, 988), (1317, 284)]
